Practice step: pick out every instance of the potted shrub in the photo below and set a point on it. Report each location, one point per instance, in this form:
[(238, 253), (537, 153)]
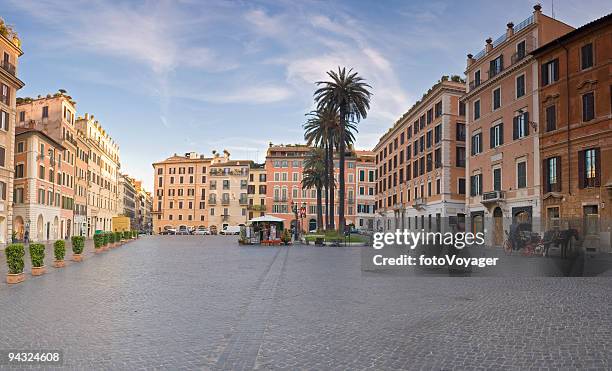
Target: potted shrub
[(126, 235), (78, 244), (118, 238), (98, 242), (37, 256), (14, 259), (286, 237), (59, 250), (134, 234), (105, 241)]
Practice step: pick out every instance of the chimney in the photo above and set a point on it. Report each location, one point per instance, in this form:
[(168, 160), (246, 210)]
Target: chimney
[(489, 45), (509, 30), (537, 10), (470, 60)]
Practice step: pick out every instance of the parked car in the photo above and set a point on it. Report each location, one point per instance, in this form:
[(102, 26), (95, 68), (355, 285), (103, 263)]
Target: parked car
[(183, 231), (230, 230), (201, 232), (168, 231)]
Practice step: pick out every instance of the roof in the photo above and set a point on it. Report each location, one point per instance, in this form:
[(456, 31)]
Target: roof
[(575, 33), (20, 130), (232, 163)]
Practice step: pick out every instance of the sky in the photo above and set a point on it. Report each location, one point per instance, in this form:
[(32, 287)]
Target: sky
[(167, 77)]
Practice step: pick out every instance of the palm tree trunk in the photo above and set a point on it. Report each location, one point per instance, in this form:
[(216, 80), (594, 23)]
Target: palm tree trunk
[(341, 222), (332, 185), (319, 209), (326, 186)]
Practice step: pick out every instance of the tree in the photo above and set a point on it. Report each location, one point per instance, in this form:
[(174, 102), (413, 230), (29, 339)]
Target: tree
[(348, 94), (314, 177)]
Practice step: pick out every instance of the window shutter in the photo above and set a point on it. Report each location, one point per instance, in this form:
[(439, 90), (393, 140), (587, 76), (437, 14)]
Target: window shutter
[(544, 75), (597, 168), (501, 62), (545, 167), (556, 70), (501, 133), (472, 146), (480, 184), (480, 141), (526, 122), (492, 137), (491, 68), (559, 172), (515, 128), (580, 169)]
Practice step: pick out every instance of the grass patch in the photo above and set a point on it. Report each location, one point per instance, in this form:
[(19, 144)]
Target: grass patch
[(330, 236)]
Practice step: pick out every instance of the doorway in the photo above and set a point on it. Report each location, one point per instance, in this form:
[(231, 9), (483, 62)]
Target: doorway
[(591, 220), (498, 227)]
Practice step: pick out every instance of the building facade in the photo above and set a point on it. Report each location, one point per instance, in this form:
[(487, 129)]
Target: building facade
[(10, 48), (228, 191), (55, 115), (37, 195), (365, 187), (503, 165), (420, 163), (575, 131), (257, 191), (127, 197), (81, 184), (284, 172), (103, 170)]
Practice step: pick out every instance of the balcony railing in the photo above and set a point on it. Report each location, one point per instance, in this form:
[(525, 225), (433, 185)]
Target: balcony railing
[(244, 201), (419, 203), (350, 201), (257, 207), (8, 67), (212, 201), (474, 84), (225, 201), (225, 216), (495, 71), (280, 198), (493, 196)]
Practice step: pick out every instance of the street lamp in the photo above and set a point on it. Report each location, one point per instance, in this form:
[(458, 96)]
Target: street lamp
[(294, 207)]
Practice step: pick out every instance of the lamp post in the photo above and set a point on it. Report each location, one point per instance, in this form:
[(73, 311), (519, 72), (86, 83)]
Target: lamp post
[(294, 207)]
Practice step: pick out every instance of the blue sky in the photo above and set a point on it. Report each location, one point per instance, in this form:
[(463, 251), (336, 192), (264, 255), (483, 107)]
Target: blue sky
[(190, 75)]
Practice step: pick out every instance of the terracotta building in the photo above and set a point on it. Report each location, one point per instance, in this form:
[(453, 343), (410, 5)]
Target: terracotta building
[(420, 162), (10, 48), (55, 115), (365, 187), (37, 196), (284, 172), (503, 164), (575, 131)]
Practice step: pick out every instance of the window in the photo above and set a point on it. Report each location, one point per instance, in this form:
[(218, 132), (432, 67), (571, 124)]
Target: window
[(496, 98), (461, 132), (45, 112), (3, 191), (476, 144), (18, 196), (521, 50), (589, 168), (476, 78), (551, 118), (552, 174), (550, 72), (497, 179), (461, 186), (521, 172), (2, 157), (4, 120), (461, 108), (460, 152), (438, 158), (477, 110), (438, 109), (588, 107), (19, 171), (429, 136), (438, 133), (6, 94), (429, 116), (520, 86), (41, 172), (429, 162), (520, 126), (586, 56), (475, 185), (496, 66), (496, 138)]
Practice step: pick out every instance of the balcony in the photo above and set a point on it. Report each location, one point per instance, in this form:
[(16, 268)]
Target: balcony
[(419, 203), (495, 71), (225, 217), (212, 201), (351, 201), (244, 200), (493, 196), (280, 198), (257, 207), (8, 67), (474, 84), (225, 201)]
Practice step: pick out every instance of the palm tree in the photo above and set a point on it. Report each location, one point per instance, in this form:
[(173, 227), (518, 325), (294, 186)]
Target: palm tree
[(348, 94), (315, 177)]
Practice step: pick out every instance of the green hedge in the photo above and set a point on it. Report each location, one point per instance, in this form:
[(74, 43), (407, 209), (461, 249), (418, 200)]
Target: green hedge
[(98, 240), (126, 235), (37, 254), (111, 237), (14, 258), (78, 244), (59, 249), (117, 236)]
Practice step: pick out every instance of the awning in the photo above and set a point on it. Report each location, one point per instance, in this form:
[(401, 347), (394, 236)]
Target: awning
[(267, 218)]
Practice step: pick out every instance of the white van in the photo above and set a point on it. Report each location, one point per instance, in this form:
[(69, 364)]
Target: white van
[(230, 229)]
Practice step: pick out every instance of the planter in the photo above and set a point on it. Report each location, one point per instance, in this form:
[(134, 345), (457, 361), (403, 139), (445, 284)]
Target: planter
[(15, 278), (77, 257), (59, 263), (99, 250), (38, 271), (104, 248)]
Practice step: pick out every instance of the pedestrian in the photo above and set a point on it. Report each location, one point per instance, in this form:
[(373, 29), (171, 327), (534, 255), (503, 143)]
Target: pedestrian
[(26, 237)]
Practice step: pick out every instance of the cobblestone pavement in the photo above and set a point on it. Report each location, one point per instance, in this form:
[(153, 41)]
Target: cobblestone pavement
[(203, 302)]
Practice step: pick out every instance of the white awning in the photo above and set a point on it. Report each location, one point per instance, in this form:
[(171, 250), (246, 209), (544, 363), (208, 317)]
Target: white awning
[(267, 218)]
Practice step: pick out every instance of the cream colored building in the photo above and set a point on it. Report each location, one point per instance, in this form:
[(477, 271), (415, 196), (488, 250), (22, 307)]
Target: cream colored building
[(10, 48), (256, 190), (103, 172)]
